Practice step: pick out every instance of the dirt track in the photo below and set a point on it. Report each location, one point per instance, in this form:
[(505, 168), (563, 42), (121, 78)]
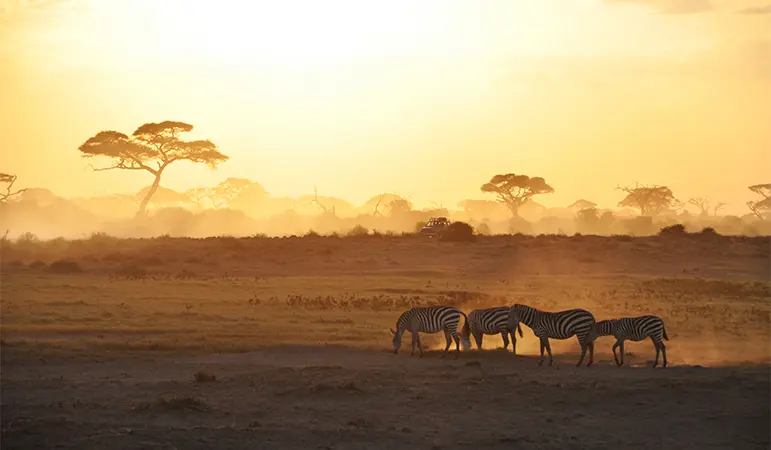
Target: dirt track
[(303, 397)]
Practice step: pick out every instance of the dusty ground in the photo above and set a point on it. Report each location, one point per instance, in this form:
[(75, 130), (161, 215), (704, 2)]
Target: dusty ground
[(295, 332)]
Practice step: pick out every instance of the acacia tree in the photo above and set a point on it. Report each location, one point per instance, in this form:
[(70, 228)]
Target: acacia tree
[(761, 207), (152, 148), (582, 204), (8, 179), (516, 190), (650, 200)]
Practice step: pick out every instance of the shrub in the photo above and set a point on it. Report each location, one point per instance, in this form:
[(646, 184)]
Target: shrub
[(357, 231), (673, 230), (458, 232), (708, 231), (65, 266)]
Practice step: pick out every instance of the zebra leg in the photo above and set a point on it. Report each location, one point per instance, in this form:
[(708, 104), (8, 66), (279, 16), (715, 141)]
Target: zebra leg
[(614, 353), (505, 339), (420, 345), (513, 342), (621, 345), (414, 342), (540, 362), (583, 353), (548, 350), (664, 353), (657, 345), (448, 340), (457, 345), (478, 338), (591, 354)]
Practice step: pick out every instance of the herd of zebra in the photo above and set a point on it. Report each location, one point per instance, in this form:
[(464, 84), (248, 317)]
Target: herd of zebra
[(545, 325)]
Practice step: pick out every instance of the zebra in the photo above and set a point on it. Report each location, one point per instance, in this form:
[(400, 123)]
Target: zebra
[(635, 329), (489, 321), (428, 319), (557, 325)]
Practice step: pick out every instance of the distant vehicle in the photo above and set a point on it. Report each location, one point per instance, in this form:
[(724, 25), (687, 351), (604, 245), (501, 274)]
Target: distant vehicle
[(435, 226)]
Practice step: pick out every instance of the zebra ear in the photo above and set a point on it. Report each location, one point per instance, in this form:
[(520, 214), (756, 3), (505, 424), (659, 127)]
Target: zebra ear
[(393, 333)]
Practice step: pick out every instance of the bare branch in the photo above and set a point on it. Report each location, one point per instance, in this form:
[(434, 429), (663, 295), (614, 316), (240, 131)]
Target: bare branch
[(10, 179), (316, 201)]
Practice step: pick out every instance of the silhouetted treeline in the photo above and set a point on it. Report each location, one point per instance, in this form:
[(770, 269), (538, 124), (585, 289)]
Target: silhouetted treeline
[(240, 207)]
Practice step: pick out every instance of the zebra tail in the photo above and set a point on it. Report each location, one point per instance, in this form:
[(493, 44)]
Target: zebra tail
[(465, 330), (666, 338)]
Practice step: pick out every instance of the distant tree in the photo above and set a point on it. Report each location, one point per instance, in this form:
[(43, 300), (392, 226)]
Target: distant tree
[(704, 204), (650, 200), (399, 206), (582, 204), (377, 202), (516, 190), (761, 208), (228, 193), (152, 147), (8, 179)]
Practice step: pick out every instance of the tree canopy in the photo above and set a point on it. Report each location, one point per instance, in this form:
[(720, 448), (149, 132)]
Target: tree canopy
[(761, 207), (650, 200), (515, 190), (152, 147), (582, 204)]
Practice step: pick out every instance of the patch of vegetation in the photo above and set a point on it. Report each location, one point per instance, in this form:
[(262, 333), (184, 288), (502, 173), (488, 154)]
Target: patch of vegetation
[(204, 377), (673, 230), (65, 266), (357, 231), (173, 404), (458, 232)]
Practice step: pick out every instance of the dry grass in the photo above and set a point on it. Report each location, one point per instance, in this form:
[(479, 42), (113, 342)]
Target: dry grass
[(142, 343), (226, 294)]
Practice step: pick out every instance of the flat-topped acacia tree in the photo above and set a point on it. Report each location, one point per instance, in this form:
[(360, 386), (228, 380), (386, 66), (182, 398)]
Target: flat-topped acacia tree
[(516, 190), (152, 148)]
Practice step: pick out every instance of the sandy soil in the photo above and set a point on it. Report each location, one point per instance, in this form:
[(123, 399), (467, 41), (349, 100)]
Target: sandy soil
[(304, 397), (101, 358)]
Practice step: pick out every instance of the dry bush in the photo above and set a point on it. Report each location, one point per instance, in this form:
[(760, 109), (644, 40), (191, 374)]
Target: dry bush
[(675, 230), (204, 377), (65, 266), (357, 231), (458, 232)]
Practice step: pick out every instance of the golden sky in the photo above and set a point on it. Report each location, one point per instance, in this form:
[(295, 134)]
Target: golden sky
[(424, 98)]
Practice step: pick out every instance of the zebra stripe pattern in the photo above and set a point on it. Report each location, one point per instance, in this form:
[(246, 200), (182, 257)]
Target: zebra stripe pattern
[(557, 325), (489, 321), (428, 319), (635, 329)]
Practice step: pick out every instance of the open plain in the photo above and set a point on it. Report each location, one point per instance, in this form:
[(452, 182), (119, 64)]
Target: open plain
[(284, 343)]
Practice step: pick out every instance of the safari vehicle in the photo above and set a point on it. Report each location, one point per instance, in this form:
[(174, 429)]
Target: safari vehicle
[(435, 226)]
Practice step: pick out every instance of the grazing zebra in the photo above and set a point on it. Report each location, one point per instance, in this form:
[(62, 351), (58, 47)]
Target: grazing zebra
[(489, 321), (557, 325), (429, 319), (635, 329)]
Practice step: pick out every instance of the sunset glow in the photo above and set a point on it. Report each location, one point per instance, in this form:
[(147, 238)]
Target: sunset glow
[(365, 97)]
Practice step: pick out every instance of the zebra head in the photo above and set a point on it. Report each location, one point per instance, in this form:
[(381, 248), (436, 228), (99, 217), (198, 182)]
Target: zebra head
[(397, 341)]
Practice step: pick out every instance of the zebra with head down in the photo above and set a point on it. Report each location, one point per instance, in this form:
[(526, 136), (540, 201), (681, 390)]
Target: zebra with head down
[(557, 325), (428, 319)]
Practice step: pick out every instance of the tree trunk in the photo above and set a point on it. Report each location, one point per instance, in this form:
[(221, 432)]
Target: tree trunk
[(143, 206)]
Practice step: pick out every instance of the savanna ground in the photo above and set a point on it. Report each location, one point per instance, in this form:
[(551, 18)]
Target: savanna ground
[(284, 343)]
